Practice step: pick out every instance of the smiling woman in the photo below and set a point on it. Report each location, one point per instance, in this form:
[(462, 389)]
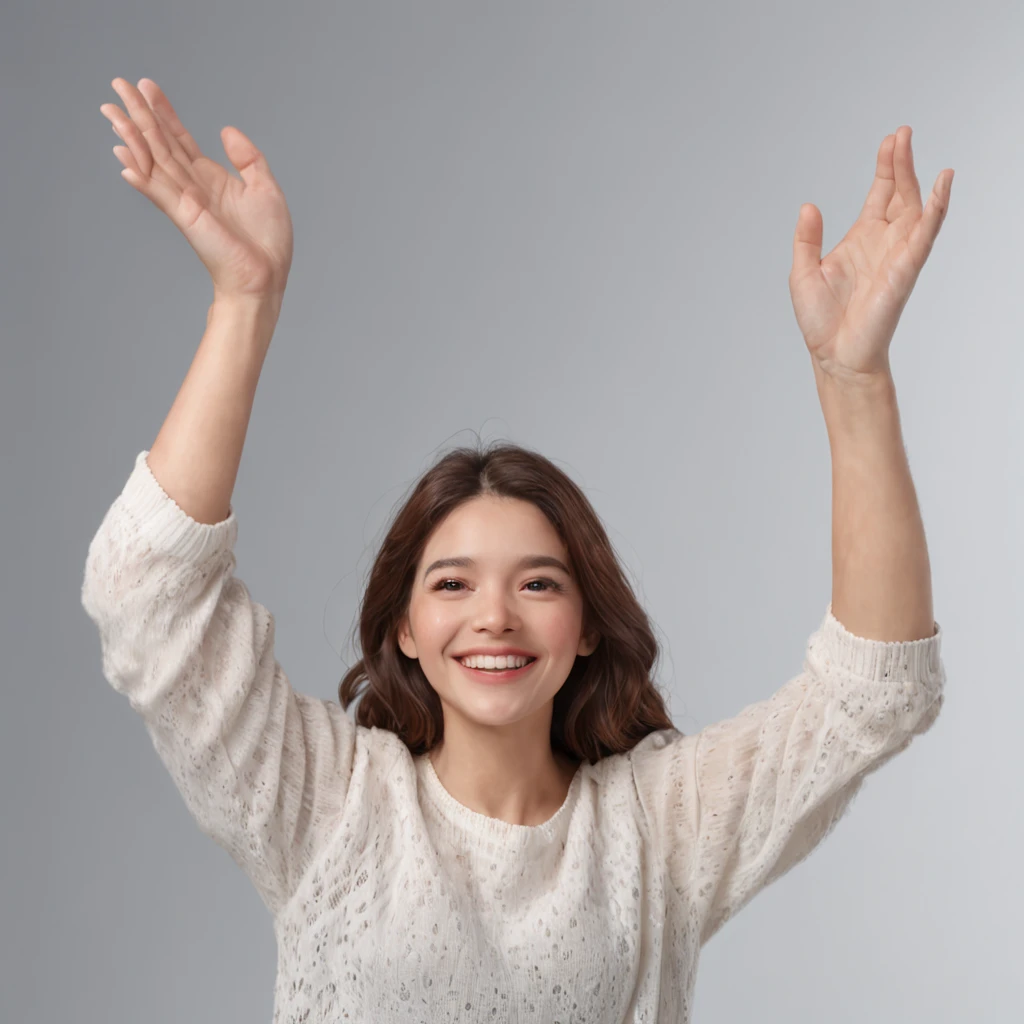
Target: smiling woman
[(485, 841), (499, 514), (472, 872)]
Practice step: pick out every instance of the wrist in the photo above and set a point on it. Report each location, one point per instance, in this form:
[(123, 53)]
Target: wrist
[(253, 314), (858, 408), (253, 301), (842, 381)]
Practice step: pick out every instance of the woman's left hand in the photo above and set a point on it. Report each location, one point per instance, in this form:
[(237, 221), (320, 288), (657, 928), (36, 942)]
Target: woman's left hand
[(848, 304)]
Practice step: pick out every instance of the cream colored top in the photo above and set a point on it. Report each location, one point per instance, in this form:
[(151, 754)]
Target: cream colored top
[(393, 902)]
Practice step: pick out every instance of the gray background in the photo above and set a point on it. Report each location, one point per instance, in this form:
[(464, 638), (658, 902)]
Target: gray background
[(565, 224)]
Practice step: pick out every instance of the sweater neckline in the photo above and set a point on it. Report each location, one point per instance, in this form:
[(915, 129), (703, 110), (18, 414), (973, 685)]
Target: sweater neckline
[(474, 821)]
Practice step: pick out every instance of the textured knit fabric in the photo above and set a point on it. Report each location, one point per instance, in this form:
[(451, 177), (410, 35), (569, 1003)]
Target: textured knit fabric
[(393, 902)]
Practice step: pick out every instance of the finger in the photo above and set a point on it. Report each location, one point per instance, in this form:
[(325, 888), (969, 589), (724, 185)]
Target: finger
[(178, 137), (124, 154), (178, 155), (807, 242), (162, 196), (165, 197), (163, 193), (246, 157), (207, 174), (927, 228), (179, 165), (903, 165), (127, 130), (883, 188), (129, 133), (145, 120)]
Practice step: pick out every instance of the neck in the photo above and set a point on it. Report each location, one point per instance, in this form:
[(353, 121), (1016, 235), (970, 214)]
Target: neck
[(504, 781)]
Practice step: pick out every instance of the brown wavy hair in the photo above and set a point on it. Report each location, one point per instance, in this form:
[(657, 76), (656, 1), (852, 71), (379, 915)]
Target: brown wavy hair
[(608, 702)]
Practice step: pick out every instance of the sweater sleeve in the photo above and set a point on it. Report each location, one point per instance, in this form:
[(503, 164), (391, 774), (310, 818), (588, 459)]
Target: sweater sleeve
[(738, 804), (264, 770)]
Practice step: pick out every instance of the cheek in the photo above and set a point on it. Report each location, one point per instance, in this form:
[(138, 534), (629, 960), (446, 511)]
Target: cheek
[(434, 627), (560, 630)]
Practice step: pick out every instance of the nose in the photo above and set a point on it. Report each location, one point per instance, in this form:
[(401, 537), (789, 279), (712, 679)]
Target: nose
[(494, 611)]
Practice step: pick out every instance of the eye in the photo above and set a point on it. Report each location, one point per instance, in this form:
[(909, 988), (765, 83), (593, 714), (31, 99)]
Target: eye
[(549, 584), (442, 584)]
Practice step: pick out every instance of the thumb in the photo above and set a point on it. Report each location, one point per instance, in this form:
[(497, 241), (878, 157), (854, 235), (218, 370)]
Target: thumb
[(807, 241), (246, 158)]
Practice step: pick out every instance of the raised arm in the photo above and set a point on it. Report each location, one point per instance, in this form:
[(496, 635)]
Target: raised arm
[(847, 306), (263, 769), (241, 229), (740, 803)]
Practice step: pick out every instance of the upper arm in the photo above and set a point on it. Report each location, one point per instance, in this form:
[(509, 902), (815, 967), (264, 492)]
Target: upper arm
[(263, 769), (747, 798)]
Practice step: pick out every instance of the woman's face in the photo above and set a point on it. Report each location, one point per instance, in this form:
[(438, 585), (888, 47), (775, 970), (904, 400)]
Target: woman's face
[(497, 600)]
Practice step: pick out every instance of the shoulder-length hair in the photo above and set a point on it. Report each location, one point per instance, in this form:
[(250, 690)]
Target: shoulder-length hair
[(608, 702)]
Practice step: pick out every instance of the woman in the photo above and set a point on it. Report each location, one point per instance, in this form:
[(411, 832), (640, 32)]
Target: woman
[(495, 839)]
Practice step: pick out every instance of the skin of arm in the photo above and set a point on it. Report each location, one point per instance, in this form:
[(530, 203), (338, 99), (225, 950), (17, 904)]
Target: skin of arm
[(196, 455), (881, 576)]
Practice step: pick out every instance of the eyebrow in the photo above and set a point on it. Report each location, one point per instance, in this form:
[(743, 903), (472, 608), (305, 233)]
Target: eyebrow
[(529, 562)]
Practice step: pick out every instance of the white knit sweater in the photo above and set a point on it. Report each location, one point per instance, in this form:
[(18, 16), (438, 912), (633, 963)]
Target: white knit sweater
[(393, 902)]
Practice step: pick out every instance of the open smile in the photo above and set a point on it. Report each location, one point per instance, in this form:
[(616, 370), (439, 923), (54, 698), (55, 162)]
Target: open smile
[(491, 675)]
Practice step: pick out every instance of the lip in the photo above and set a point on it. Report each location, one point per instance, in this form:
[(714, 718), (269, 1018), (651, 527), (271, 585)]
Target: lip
[(506, 675)]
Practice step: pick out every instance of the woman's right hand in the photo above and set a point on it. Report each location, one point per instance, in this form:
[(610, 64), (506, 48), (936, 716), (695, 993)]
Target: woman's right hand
[(240, 228)]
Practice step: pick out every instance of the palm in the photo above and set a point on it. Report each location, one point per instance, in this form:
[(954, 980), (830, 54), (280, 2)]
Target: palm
[(848, 304), (249, 212)]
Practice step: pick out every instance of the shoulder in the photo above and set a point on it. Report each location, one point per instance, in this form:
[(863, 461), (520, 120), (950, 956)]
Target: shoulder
[(644, 750)]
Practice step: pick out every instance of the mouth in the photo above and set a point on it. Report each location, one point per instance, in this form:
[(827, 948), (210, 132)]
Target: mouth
[(494, 675)]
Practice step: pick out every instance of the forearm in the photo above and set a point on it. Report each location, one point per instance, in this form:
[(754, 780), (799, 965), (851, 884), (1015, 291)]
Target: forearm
[(196, 455), (881, 576)]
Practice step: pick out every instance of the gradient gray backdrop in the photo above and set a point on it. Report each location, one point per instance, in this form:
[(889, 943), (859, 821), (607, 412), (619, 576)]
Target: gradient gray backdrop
[(565, 224)]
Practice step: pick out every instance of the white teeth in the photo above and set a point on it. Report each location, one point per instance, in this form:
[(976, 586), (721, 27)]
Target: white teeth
[(487, 661)]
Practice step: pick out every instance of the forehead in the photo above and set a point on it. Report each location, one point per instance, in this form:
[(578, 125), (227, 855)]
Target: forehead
[(489, 524)]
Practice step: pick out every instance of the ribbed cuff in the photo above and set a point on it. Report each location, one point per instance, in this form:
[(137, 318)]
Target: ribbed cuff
[(168, 527), (900, 660)]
